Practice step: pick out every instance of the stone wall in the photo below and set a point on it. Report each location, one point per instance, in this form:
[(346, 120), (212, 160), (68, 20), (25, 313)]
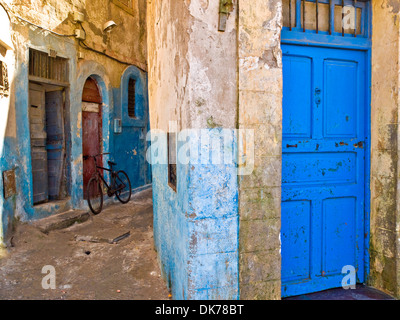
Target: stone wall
[(384, 255), (126, 42), (260, 109)]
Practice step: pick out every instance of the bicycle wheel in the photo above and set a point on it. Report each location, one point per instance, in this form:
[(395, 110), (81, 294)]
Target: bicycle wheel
[(123, 187), (95, 195)]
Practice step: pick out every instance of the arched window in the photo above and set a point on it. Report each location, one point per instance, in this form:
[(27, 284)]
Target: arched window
[(134, 98)]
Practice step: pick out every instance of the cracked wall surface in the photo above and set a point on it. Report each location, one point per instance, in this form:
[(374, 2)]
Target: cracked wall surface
[(384, 224)]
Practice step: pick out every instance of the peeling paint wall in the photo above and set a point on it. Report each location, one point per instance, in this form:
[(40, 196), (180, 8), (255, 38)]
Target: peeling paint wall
[(119, 49), (8, 130), (193, 82), (126, 42), (260, 109), (384, 242)]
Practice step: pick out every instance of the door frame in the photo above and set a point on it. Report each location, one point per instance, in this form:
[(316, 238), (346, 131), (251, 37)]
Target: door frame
[(98, 72), (364, 45)]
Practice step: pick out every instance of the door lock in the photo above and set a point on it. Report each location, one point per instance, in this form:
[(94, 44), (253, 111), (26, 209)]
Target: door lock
[(317, 97)]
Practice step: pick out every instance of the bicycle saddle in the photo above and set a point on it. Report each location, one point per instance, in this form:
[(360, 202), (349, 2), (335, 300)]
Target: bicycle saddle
[(111, 163)]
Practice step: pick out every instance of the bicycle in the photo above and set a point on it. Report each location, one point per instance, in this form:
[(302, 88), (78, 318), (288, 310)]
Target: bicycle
[(120, 186)]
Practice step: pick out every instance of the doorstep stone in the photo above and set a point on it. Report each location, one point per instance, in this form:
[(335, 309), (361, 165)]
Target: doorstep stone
[(61, 220)]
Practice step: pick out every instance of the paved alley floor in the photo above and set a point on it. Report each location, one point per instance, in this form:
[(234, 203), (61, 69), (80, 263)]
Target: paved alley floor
[(86, 265)]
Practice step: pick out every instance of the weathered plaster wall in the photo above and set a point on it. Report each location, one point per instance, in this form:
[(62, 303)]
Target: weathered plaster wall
[(168, 68), (127, 42), (260, 109), (384, 242), (193, 82), (8, 129)]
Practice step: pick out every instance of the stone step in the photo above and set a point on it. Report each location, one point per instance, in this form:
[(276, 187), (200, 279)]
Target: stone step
[(62, 220)]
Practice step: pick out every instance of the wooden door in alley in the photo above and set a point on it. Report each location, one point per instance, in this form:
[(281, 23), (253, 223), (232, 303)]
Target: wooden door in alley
[(38, 136), (323, 167), (55, 141), (91, 129)]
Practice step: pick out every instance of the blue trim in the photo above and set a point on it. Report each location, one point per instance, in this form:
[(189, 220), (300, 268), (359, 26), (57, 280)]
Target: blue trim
[(323, 39), (140, 77), (367, 196)]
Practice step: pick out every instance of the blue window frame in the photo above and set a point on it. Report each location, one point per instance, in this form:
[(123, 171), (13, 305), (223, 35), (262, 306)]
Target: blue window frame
[(136, 117)]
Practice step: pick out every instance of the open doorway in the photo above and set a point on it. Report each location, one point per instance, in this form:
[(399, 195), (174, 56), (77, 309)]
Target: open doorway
[(48, 88)]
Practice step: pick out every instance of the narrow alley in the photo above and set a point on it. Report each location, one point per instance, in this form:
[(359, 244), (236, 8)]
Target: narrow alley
[(87, 265), (260, 140)]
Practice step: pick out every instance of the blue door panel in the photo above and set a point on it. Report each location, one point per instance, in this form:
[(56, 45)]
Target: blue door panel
[(323, 167), (297, 115), (339, 231), (319, 168), (340, 116), (297, 240)]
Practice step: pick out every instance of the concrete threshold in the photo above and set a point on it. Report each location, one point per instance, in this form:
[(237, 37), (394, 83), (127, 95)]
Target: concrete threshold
[(61, 220)]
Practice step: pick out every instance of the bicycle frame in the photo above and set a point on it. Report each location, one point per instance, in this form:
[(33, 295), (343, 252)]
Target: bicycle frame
[(96, 190), (110, 188)]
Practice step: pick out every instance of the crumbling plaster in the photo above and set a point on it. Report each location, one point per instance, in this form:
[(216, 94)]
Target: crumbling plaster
[(260, 109), (384, 224)]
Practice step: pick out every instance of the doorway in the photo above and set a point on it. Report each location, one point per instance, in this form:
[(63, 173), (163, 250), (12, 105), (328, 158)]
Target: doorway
[(48, 143), (91, 129), (325, 144)]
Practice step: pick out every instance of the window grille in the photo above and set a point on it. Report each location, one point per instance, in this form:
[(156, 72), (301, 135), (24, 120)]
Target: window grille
[(131, 98), (4, 84), (333, 17), (172, 169)]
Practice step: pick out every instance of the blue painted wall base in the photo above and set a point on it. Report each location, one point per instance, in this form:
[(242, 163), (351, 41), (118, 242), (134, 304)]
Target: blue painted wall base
[(196, 228)]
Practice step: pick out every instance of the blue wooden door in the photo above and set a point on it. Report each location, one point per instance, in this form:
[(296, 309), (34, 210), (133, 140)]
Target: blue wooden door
[(323, 167), (38, 135), (55, 142)]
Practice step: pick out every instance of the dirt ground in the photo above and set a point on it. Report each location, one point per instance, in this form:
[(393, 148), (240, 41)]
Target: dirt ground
[(86, 265)]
